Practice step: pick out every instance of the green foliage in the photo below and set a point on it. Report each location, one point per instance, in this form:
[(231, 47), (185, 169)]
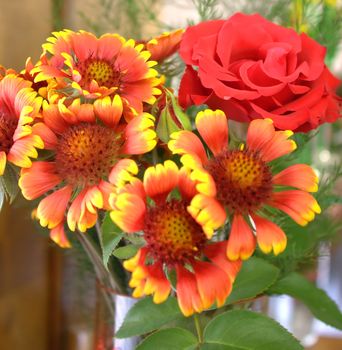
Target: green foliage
[(8, 185), (207, 9), (126, 252), (246, 330), (109, 238), (255, 277), (169, 339), (314, 298), (146, 316)]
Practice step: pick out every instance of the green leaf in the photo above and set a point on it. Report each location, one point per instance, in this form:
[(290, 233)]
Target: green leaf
[(166, 126), (242, 329), (110, 238), (180, 114), (319, 303), (169, 339), (9, 183), (146, 316), (255, 277), (126, 252), (2, 197), (220, 347)]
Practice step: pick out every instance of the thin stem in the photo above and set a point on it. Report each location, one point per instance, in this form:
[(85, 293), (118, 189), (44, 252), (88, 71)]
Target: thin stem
[(198, 328)]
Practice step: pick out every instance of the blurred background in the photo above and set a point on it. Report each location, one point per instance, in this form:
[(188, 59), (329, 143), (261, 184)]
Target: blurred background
[(49, 299)]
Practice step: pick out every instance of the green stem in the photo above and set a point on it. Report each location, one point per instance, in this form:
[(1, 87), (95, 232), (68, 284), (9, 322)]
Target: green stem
[(198, 328)]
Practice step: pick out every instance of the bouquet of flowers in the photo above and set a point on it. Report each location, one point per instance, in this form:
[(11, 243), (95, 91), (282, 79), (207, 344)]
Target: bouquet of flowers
[(190, 198)]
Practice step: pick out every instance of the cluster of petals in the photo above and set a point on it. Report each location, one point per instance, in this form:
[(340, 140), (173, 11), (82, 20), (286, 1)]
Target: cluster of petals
[(205, 275), (288, 190), (80, 64), (19, 107), (74, 135)]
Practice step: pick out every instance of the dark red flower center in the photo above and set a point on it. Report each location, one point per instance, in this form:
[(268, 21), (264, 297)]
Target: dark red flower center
[(86, 153), (243, 180), (172, 235), (8, 124), (102, 71)]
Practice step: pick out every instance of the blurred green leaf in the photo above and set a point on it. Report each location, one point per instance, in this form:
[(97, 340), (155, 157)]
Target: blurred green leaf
[(319, 303), (246, 330), (169, 339), (146, 316), (126, 252)]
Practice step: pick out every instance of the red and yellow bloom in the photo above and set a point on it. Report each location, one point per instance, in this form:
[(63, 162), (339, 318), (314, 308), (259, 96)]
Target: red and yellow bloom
[(243, 181), (176, 230), (19, 106), (85, 141), (82, 64)]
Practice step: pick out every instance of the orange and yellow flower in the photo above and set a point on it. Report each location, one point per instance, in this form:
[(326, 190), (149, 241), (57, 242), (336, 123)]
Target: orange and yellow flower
[(243, 181), (165, 45), (85, 142), (175, 228), (19, 106), (85, 65)]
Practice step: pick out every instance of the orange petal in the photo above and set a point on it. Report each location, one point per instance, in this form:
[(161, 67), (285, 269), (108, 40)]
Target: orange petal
[(51, 209), (213, 127), (260, 132), (205, 183), (299, 205), (46, 134), (53, 119), (129, 212), (300, 176), (58, 235), (106, 189), (207, 212), (187, 187), (269, 236), (160, 180), (2, 162), (217, 253), (278, 146), (212, 282), (188, 297), (186, 142), (140, 136), (123, 172), (241, 241), (109, 110), (38, 179)]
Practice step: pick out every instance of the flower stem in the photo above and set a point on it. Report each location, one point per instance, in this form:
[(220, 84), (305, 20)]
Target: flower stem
[(198, 328)]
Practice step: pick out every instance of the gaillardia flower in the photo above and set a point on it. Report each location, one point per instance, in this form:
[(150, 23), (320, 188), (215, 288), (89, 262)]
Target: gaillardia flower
[(19, 106), (174, 229), (244, 183), (95, 67), (85, 141)]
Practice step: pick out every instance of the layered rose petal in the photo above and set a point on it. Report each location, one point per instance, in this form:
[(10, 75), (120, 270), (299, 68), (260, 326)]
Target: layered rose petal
[(270, 237), (160, 180), (299, 205), (241, 241), (300, 176), (213, 127), (208, 212)]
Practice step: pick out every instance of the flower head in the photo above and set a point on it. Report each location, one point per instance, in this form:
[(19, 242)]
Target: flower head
[(244, 182), (175, 229), (96, 67), (19, 106), (85, 142)]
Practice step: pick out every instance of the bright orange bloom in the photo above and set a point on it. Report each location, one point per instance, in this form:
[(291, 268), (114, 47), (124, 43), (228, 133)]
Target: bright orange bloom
[(176, 230), (85, 141), (243, 181), (19, 106), (82, 64), (165, 45)]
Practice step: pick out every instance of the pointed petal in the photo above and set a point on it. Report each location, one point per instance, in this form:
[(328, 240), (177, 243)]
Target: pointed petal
[(213, 127), (58, 235), (241, 241)]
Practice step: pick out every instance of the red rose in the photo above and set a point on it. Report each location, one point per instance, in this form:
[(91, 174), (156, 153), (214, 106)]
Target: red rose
[(252, 68)]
